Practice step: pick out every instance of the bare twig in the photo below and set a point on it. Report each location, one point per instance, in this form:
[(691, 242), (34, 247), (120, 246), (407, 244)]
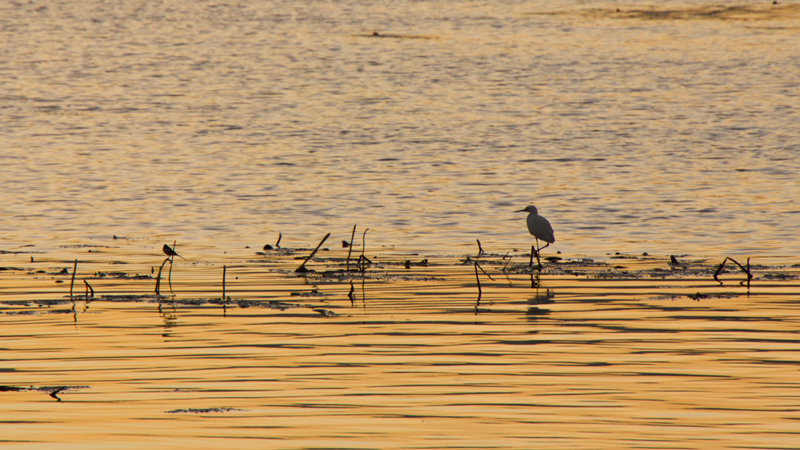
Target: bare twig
[(480, 249), (55, 392), (158, 278), (746, 270), (484, 272), (278, 243), (363, 261), (478, 280), (72, 283), (302, 267), (350, 248), (171, 260), (507, 262), (719, 269), (363, 249), (224, 269), (749, 276), (88, 288)]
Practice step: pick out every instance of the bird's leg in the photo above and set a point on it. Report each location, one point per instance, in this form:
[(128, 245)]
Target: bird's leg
[(536, 252)]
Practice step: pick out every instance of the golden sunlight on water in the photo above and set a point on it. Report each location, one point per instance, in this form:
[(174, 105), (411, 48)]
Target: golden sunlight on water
[(634, 352), (669, 129)]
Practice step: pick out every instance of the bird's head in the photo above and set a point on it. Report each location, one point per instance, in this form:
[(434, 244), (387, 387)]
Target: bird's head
[(529, 209)]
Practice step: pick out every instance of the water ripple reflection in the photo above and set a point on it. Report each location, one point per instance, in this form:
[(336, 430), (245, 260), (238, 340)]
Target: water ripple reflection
[(262, 118), (603, 355)]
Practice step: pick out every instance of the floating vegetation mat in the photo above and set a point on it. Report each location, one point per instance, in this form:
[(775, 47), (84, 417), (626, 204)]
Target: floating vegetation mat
[(330, 282)]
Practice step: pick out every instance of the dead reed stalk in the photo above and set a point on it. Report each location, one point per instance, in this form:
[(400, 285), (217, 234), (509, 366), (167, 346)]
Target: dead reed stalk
[(72, 283), (171, 259), (478, 280), (746, 270), (88, 289), (302, 268), (363, 259), (350, 249), (158, 277)]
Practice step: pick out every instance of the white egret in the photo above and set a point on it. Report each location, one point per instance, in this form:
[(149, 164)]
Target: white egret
[(540, 228)]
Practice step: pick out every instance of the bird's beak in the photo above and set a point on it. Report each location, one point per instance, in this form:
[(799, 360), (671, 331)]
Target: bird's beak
[(521, 210)]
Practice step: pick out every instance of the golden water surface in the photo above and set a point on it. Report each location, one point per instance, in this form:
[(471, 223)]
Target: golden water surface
[(668, 128), (640, 130), (630, 353)]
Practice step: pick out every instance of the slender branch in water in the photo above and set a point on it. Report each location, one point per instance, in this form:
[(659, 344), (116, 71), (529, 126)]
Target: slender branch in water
[(71, 284), (171, 259), (363, 249), (224, 269), (719, 269), (746, 270), (478, 280), (484, 272), (363, 261), (350, 248), (480, 249), (54, 393), (88, 288), (278, 243), (302, 267), (158, 278), (507, 262), (749, 276)]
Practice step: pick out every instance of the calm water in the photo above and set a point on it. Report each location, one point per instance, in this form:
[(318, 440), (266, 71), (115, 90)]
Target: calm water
[(221, 124), (594, 358)]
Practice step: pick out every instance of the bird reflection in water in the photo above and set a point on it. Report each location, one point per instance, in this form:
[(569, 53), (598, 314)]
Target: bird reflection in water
[(539, 299)]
